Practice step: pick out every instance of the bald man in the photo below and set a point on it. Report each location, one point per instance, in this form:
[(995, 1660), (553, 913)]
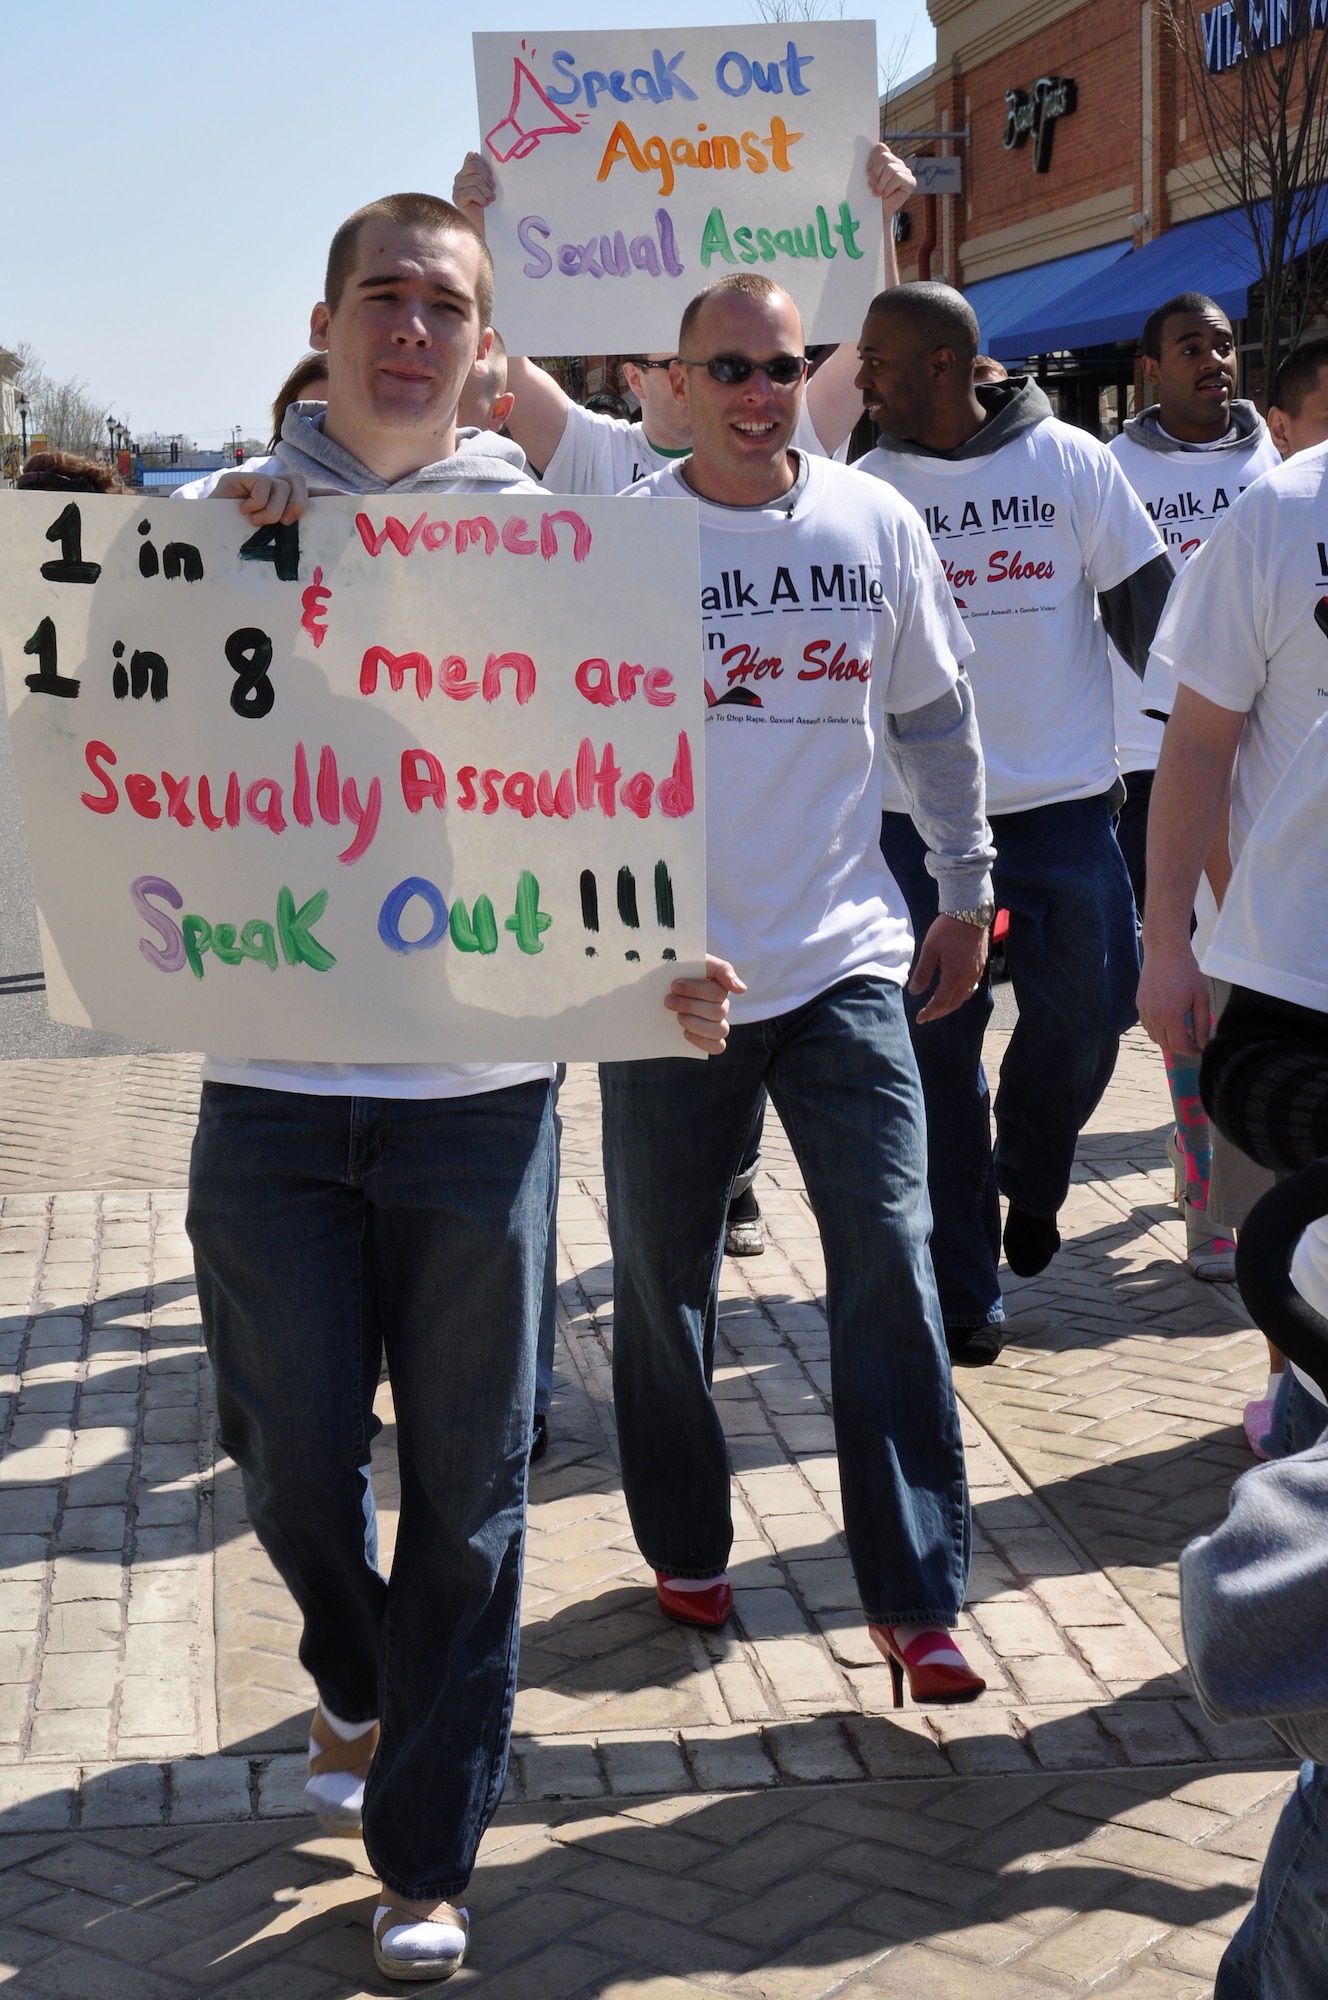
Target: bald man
[(829, 633), (1037, 527)]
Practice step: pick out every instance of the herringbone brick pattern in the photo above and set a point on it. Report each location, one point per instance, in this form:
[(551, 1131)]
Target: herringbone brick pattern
[(740, 1813)]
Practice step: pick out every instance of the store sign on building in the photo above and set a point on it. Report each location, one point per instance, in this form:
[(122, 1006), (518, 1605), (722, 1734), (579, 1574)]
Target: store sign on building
[(1252, 27), (937, 176), (1033, 114)]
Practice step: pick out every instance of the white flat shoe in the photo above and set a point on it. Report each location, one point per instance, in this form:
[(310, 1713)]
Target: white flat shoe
[(411, 1947), (337, 1771)]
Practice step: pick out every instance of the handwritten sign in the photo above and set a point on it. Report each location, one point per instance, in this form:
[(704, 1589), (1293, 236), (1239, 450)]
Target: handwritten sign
[(416, 780), (636, 166)]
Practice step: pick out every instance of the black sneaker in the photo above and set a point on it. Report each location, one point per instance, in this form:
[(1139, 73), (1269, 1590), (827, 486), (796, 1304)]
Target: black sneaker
[(974, 1346), (744, 1232), (539, 1436), (1031, 1241)]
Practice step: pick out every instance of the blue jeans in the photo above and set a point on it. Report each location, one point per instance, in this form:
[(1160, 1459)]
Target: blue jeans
[(1074, 966), (326, 1230), (1298, 1418), (1280, 1951), (843, 1080), (1132, 832), (548, 1322)]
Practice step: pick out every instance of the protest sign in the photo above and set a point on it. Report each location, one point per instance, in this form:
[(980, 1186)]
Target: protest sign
[(636, 166), (415, 780)]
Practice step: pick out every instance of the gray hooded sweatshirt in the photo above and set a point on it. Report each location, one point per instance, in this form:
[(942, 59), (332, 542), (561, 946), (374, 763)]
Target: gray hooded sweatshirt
[(481, 460), (1254, 1603), (1247, 429)]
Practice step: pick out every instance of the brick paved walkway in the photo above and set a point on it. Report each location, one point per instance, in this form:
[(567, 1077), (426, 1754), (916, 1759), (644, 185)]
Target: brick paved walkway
[(740, 1813)]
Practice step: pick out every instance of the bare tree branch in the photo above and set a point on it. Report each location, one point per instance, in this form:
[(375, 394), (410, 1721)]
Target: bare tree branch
[(892, 62), (1257, 72), (64, 413), (798, 10)]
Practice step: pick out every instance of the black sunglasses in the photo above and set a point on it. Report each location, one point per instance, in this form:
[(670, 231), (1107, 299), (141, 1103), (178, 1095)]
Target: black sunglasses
[(784, 370), (639, 361)]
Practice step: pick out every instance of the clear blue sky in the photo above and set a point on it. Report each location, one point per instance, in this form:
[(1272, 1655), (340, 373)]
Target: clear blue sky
[(172, 171)]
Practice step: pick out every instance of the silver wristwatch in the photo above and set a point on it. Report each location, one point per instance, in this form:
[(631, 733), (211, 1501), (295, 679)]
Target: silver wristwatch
[(981, 917)]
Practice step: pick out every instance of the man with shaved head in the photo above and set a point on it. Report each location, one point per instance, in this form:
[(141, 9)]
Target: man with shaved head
[(831, 641), (1038, 529)]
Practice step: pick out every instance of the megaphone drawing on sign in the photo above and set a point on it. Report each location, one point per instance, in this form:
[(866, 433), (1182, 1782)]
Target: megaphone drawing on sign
[(518, 134)]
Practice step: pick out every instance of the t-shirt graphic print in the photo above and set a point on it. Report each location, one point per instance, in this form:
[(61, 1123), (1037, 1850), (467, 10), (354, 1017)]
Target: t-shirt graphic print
[(820, 613), (1187, 493), (1028, 535)]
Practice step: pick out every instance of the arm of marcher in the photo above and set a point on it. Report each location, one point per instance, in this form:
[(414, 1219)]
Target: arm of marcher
[(937, 753), (1133, 610), (1184, 811), (1218, 867), (702, 1005), (539, 415), (834, 400)]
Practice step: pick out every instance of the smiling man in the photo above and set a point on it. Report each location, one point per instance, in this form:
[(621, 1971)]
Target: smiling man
[(339, 1212), (1187, 456), (831, 644)]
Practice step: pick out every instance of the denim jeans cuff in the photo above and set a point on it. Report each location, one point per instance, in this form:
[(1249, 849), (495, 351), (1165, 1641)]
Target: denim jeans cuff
[(689, 1575), (441, 1892), (969, 1322), (940, 1621)]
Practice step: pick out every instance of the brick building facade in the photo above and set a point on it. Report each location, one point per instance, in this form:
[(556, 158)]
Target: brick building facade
[(1118, 169)]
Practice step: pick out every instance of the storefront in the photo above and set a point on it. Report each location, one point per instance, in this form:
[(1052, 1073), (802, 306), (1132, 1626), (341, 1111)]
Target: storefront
[(1087, 196)]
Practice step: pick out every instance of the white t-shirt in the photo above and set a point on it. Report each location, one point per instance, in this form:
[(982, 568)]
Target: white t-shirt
[(1309, 1275), (821, 613), (1242, 627), (1028, 535), (602, 454), (1272, 931), (1187, 494), (362, 1079), (1272, 936)]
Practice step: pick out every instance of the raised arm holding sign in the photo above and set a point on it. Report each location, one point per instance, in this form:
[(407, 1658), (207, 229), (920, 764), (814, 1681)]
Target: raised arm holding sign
[(578, 453)]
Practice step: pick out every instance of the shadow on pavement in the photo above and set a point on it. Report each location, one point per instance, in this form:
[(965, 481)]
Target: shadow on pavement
[(800, 1878)]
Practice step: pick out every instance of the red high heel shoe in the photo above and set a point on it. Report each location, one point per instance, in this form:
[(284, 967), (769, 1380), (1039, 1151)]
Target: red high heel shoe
[(710, 1607), (931, 1681)]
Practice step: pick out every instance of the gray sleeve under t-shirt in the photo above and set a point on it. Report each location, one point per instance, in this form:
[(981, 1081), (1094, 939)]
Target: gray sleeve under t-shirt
[(936, 751)]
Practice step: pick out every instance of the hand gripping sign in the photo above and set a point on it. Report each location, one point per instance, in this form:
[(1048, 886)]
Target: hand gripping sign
[(416, 780), (636, 166)]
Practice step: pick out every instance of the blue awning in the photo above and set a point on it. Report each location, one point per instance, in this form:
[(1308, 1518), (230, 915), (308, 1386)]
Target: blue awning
[(1215, 254), (1019, 296)]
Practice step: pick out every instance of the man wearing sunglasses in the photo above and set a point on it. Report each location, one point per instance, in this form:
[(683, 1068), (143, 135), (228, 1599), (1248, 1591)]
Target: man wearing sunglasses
[(831, 641), (581, 451)]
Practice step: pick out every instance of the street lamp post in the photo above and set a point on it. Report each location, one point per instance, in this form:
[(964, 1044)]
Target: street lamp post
[(23, 421)]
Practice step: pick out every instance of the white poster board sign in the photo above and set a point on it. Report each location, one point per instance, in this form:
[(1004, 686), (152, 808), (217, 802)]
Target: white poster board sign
[(417, 780), (636, 166)]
